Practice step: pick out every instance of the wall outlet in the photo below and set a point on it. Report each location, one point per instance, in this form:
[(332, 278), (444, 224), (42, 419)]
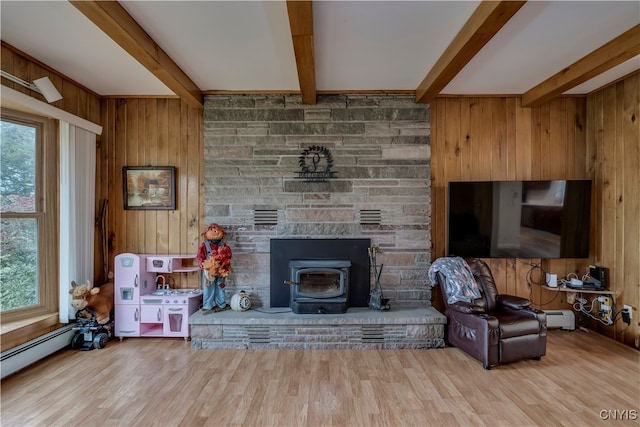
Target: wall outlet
[(629, 310)]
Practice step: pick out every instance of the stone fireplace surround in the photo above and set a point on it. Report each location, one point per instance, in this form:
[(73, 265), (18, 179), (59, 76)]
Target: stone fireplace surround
[(381, 192)]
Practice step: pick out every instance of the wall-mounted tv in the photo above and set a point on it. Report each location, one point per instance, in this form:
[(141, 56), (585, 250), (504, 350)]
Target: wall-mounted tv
[(519, 219)]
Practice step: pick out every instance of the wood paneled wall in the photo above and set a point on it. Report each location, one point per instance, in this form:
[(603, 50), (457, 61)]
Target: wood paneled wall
[(595, 138), (152, 132), (613, 141), (495, 138)]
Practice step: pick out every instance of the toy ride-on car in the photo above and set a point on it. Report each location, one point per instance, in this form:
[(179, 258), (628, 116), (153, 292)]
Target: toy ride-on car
[(89, 333)]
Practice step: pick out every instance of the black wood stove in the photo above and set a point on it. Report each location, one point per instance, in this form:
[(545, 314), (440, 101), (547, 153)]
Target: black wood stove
[(319, 286)]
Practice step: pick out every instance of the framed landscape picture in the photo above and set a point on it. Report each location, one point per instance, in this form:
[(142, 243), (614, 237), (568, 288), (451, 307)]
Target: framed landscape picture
[(149, 187)]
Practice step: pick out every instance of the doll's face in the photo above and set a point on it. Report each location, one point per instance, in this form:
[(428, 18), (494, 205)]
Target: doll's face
[(214, 232)]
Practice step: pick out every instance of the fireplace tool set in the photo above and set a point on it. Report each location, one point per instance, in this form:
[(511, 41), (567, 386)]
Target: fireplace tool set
[(376, 300)]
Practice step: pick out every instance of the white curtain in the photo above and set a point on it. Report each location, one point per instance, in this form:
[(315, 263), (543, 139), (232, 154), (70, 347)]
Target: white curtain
[(77, 201)]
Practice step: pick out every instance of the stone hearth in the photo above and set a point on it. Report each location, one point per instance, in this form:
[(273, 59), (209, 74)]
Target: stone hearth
[(359, 328)]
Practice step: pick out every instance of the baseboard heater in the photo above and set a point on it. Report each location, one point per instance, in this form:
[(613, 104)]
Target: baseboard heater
[(564, 319), (30, 352)]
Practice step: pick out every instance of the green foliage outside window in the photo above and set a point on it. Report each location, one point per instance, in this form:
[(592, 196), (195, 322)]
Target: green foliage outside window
[(18, 233)]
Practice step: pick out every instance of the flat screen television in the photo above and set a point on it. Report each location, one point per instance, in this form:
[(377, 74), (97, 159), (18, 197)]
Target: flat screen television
[(519, 219)]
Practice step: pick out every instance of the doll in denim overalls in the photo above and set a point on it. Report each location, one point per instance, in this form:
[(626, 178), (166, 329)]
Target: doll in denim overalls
[(214, 258)]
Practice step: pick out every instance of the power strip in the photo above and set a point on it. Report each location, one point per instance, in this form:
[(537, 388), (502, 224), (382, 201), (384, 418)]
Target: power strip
[(605, 309)]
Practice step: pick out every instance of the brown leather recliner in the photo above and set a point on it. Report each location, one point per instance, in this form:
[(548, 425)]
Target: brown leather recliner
[(495, 328)]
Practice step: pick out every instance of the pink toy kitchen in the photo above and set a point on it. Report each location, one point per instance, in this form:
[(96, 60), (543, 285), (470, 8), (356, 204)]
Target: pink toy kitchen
[(145, 305)]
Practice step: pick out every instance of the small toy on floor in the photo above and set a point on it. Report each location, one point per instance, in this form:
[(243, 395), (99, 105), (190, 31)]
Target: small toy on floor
[(90, 333)]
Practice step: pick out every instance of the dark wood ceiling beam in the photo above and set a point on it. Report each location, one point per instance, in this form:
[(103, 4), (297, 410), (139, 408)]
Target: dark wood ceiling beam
[(486, 21), (617, 51), (301, 23), (116, 22)]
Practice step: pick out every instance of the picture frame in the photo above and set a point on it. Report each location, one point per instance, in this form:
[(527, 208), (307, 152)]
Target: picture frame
[(149, 187)]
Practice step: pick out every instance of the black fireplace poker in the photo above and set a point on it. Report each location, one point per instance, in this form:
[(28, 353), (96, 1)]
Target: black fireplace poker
[(376, 300)]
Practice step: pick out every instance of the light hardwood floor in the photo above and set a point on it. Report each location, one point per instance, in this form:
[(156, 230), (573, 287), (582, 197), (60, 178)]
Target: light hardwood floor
[(163, 382)]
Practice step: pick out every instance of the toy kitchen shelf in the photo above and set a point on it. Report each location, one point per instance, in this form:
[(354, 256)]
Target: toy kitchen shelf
[(178, 263)]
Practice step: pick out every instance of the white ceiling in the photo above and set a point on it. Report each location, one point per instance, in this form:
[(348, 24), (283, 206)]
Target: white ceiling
[(359, 45)]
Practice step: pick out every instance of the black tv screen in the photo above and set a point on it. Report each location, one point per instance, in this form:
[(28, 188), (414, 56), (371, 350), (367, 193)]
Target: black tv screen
[(519, 219)]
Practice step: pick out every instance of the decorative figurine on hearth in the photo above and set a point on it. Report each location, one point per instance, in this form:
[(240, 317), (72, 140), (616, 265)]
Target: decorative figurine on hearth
[(214, 259)]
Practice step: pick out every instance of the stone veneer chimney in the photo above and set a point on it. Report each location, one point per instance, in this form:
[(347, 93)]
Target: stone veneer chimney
[(381, 156)]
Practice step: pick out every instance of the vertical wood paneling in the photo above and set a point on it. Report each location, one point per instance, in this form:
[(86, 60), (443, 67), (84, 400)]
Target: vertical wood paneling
[(544, 143), (481, 129), (594, 138), (613, 144), (120, 159), (195, 186), (557, 159), (107, 179), (616, 271), (522, 270), (499, 165), (153, 132), (464, 111), (130, 151), (173, 152), (502, 133), (140, 160), (510, 137), (438, 112), (567, 138), (162, 152), (629, 285), (571, 169), (581, 158), (499, 270), (182, 186), (630, 133), (608, 183), (523, 137), (452, 138)]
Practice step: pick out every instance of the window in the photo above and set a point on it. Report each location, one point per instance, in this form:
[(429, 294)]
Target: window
[(28, 222)]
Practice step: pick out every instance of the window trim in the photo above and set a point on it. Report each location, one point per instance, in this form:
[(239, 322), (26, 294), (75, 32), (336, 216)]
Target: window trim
[(47, 208)]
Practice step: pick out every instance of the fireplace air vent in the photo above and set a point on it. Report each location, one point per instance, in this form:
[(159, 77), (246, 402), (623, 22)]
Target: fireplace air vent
[(372, 333), (258, 334), (265, 217), (370, 217)]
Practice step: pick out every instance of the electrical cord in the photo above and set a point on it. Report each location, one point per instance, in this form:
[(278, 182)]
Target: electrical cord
[(580, 306), (540, 282), (542, 304), (542, 279)]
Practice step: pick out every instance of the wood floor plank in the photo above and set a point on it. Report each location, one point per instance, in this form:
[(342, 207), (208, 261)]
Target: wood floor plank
[(163, 382)]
